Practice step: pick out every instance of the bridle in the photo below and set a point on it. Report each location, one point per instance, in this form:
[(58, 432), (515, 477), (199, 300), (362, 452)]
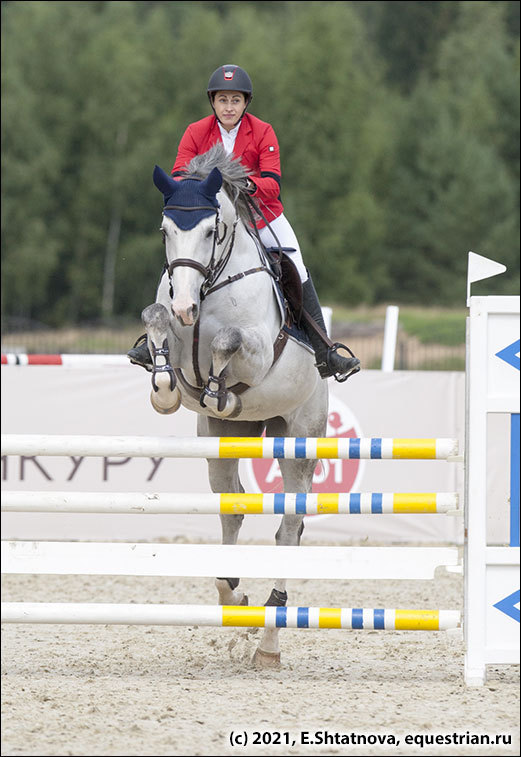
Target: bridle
[(216, 385), (215, 267)]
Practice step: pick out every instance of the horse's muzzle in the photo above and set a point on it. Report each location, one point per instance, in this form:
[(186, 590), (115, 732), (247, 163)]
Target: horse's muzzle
[(186, 315)]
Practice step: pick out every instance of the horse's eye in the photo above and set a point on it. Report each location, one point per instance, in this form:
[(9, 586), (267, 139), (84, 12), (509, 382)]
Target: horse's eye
[(209, 233)]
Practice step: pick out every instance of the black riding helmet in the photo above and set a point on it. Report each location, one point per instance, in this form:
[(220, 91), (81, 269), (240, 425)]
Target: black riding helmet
[(232, 78)]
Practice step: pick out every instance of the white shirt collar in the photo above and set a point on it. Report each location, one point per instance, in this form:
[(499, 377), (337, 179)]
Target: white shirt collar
[(229, 137)]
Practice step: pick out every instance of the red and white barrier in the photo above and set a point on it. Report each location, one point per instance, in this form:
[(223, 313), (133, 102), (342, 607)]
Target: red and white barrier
[(75, 361)]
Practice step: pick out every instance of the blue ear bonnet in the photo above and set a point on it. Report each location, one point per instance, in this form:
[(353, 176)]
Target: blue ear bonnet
[(189, 193)]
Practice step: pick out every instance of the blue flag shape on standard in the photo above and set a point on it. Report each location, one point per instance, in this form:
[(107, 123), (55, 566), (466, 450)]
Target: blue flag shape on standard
[(508, 605)]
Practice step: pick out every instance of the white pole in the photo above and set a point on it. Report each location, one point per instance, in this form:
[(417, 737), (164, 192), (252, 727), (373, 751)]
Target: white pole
[(390, 334), (204, 560)]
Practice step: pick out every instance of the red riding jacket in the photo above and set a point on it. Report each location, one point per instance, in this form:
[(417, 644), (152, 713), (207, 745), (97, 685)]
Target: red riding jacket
[(257, 147)]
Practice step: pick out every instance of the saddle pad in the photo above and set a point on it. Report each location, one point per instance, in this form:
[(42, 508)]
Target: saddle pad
[(295, 332)]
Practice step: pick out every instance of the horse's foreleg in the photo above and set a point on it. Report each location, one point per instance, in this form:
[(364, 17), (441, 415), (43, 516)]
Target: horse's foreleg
[(245, 354), (165, 395), (249, 350), (215, 395)]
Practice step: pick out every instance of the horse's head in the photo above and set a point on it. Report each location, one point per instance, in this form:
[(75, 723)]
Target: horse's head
[(191, 235)]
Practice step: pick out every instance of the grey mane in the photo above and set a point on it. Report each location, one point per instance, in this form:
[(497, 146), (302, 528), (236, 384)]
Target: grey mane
[(233, 172)]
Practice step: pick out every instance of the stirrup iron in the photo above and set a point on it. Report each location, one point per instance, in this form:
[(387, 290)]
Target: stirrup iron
[(355, 368)]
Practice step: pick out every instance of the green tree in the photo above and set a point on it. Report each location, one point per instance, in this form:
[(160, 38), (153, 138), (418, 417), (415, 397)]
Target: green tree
[(326, 104), (452, 191), (408, 34), (398, 125), (37, 120)]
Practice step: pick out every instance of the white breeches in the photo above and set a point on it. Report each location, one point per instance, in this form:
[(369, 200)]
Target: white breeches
[(286, 236)]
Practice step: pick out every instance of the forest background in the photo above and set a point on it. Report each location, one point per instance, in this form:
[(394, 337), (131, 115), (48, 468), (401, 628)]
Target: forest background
[(398, 124)]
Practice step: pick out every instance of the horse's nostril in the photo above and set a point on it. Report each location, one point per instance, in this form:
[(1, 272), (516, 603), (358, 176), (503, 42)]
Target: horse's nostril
[(187, 314)]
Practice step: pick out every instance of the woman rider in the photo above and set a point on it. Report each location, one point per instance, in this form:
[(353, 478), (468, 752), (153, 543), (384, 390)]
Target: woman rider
[(254, 142)]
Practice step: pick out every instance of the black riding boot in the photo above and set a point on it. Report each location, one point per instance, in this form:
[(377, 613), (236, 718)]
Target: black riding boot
[(329, 362), (140, 354)]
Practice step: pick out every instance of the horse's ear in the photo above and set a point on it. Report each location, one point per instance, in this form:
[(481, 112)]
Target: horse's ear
[(163, 182), (212, 184)]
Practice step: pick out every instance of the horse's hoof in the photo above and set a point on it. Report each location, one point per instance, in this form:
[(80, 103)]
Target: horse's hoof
[(244, 600), (233, 406), (231, 409), (164, 410), (263, 659), (165, 400)]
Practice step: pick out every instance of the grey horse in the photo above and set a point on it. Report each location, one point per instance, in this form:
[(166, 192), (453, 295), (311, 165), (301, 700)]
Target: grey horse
[(218, 347)]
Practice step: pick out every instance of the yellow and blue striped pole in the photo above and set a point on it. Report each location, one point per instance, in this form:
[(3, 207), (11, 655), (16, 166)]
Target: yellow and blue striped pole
[(358, 619), (343, 448), (352, 503), (336, 617)]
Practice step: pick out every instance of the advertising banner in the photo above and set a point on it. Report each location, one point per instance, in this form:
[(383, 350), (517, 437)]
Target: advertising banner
[(114, 400)]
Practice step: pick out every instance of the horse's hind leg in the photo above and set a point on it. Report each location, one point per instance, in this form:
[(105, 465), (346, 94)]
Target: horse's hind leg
[(267, 654), (224, 477), (289, 533), (298, 477)]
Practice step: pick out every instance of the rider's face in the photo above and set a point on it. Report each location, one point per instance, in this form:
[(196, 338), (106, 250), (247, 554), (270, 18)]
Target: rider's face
[(229, 107)]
